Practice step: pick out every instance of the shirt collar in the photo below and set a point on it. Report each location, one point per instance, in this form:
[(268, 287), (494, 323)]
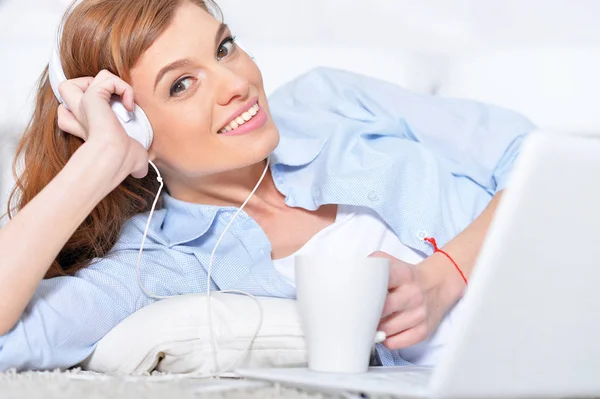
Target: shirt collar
[(186, 221), (297, 151)]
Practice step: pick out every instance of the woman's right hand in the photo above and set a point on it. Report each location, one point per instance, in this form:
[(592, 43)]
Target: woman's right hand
[(88, 115)]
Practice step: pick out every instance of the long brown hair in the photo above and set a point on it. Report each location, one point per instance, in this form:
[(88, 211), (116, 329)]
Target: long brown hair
[(97, 35)]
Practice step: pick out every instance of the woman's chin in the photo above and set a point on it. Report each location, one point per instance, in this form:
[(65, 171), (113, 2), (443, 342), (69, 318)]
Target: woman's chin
[(262, 143), (274, 141)]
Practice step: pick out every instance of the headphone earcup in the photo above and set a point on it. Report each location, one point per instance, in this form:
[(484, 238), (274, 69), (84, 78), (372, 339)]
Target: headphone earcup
[(136, 124)]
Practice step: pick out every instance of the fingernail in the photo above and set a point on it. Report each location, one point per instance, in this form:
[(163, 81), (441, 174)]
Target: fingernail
[(380, 336)]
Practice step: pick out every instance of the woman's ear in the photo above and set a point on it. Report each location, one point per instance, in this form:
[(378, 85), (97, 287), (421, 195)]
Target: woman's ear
[(151, 154)]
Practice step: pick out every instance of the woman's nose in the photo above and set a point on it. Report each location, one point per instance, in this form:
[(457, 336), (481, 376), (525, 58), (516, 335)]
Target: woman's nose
[(232, 85)]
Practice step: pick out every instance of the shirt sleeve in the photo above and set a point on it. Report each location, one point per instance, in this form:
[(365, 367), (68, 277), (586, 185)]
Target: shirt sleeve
[(474, 140), (68, 315)]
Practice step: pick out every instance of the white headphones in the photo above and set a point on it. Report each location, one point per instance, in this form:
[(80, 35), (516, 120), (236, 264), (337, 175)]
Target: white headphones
[(136, 123)]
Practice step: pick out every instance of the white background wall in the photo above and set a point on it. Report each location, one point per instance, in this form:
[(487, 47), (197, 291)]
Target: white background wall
[(433, 26), (309, 32), (540, 57)]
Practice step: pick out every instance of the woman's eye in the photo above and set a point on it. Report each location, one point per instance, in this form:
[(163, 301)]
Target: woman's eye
[(225, 48), (180, 86)]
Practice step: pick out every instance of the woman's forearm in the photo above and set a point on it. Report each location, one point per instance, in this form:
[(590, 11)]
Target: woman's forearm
[(463, 249), (30, 242)]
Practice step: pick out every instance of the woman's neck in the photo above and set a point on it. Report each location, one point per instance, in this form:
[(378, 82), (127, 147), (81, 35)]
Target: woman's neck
[(230, 189)]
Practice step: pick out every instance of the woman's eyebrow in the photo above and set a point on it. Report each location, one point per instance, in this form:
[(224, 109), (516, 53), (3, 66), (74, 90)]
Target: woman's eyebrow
[(222, 28), (168, 68), (184, 62)]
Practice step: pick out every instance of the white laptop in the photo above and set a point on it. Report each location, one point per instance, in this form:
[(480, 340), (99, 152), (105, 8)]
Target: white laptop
[(531, 317)]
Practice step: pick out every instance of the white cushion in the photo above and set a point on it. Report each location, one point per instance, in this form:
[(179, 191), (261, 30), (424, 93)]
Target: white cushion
[(556, 87), (172, 336)]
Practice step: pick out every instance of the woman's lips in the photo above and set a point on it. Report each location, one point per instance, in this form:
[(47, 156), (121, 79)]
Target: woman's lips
[(254, 122)]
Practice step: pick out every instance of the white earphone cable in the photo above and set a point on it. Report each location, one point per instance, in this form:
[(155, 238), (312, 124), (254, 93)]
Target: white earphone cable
[(216, 372), (208, 294), (139, 258)]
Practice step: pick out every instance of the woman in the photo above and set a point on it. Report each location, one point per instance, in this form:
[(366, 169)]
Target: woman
[(346, 152)]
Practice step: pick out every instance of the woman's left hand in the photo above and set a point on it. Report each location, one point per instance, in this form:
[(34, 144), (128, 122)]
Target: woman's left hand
[(417, 300)]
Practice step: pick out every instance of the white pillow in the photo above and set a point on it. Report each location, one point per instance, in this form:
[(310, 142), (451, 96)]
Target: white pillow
[(172, 336), (556, 87)]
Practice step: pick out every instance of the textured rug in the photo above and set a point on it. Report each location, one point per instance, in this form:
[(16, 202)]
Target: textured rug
[(76, 384)]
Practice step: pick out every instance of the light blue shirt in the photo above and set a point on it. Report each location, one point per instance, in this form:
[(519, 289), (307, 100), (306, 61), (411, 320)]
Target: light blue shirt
[(427, 165)]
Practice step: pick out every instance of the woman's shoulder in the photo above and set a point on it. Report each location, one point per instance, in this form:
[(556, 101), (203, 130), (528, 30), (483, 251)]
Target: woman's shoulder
[(132, 232), (120, 263), (176, 223), (325, 105)]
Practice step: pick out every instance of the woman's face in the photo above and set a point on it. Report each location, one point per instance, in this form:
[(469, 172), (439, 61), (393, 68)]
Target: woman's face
[(204, 97)]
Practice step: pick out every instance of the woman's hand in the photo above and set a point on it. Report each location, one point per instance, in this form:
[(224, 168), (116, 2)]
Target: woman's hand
[(417, 301), (88, 115), (420, 295)]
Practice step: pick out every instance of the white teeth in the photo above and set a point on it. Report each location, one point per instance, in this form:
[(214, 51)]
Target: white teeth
[(240, 120)]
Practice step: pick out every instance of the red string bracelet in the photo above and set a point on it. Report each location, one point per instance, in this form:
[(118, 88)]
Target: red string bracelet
[(436, 249)]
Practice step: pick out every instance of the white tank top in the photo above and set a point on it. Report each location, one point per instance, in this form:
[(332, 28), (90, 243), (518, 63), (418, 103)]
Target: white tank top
[(358, 232)]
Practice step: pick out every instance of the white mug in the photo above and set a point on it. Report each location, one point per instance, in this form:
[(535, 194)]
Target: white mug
[(340, 302)]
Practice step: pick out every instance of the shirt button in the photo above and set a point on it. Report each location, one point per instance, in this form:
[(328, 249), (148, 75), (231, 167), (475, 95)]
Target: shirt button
[(422, 234), (373, 196), (262, 252), (317, 193)]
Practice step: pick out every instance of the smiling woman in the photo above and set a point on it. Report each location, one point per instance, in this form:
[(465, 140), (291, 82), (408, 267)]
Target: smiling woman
[(183, 97), (352, 166), (193, 82)]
